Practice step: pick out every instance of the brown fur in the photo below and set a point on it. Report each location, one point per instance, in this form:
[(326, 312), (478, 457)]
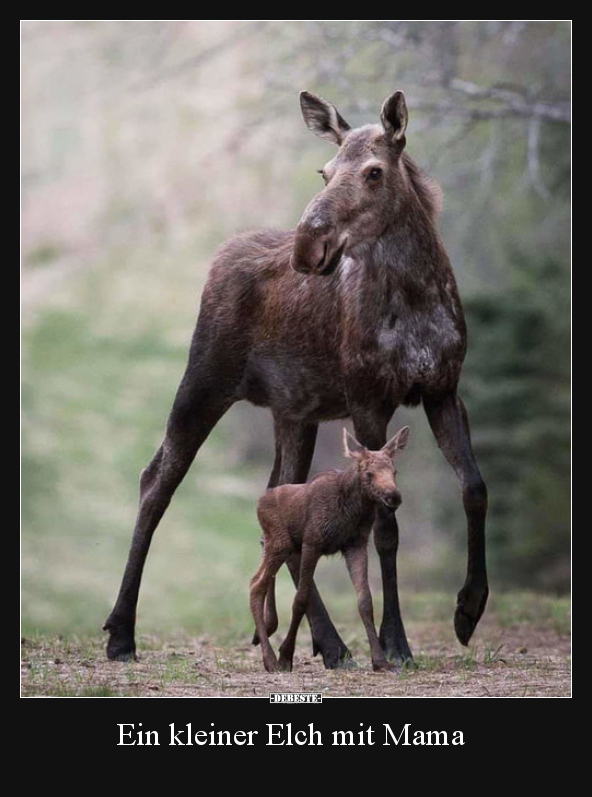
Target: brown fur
[(352, 314), (332, 513)]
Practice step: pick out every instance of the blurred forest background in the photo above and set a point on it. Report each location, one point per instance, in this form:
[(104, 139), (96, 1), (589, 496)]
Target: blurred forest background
[(145, 144)]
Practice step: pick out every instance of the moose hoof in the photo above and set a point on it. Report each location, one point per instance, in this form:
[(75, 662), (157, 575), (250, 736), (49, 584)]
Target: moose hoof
[(121, 651), (464, 626), (346, 663), (469, 608), (335, 657), (121, 645), (400, 660), (399, 655), (385, 666)]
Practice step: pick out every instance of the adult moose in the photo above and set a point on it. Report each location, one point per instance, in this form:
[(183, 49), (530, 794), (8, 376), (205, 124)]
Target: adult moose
[(353, 314)]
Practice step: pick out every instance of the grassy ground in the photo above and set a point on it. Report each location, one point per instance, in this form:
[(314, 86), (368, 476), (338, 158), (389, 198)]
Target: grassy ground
[(522, 649)]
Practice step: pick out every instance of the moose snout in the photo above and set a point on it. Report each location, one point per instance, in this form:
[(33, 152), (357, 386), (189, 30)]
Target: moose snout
[(317, 252), (310, 250), (319, 242), (392, 499)]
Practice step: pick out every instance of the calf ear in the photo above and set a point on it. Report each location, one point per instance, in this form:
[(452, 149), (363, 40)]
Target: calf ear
[(398, 442), (394, 117), (323, 118), (351, 447)]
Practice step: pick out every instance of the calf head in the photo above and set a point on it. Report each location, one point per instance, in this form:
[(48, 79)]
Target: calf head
[(376, 469)]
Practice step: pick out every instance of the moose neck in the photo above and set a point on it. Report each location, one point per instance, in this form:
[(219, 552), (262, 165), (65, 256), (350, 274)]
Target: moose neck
[(405, 263), (395, 292)]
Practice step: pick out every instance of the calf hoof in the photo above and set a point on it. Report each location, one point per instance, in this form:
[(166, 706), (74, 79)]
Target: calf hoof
[(121, 645)]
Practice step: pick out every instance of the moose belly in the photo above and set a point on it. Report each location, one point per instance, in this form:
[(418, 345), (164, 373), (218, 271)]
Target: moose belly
[(297, 387)]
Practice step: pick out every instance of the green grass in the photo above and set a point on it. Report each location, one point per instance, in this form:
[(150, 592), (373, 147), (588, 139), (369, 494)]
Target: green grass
[(530, 607), (100, 368)]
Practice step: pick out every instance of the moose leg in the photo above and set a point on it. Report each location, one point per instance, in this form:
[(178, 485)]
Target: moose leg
[(371, 431), (357, 565), (295, 444), (448, 418), (197, 408), (392, 632), (308, 561)]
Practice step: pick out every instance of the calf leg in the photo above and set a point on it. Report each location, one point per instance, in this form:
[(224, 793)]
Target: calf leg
[(308, 561), (198, 406), (448, 419), (261, 585), (295, 444), (357, 565), (269, 613)]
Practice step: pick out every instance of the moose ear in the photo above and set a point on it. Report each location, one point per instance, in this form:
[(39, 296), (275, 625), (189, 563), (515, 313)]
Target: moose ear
[(394, 117), (398, 442), (323, 118), (351, 447)]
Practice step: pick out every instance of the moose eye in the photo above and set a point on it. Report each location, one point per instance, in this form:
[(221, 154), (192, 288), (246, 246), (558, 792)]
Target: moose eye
[(374, 175)]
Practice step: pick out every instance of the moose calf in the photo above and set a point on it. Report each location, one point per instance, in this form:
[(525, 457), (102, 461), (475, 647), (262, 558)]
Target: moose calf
[(334, 512)]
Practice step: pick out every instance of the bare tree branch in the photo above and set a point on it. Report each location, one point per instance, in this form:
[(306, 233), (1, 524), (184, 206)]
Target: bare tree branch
[(507, 102)]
